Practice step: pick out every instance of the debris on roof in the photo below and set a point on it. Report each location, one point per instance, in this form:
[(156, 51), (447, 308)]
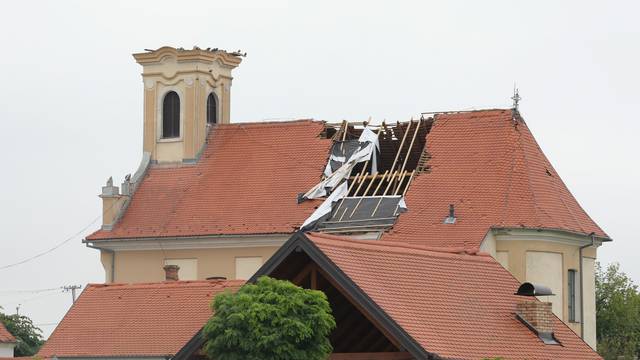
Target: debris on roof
[(378, 164), (486, 163)]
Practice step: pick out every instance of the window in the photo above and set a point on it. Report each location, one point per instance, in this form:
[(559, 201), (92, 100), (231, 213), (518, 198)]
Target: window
[(572, 295), (171, 115), (247, 266), (212, 109)]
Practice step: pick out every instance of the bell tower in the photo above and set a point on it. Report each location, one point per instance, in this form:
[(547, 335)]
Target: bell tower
[(185, 92)]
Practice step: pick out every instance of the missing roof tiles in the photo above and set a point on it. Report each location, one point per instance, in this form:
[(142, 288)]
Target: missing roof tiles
[(378, 164)]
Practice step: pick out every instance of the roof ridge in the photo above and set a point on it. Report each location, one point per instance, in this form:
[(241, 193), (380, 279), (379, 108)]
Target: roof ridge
[(163, 284), (268, 123), (405, 248)]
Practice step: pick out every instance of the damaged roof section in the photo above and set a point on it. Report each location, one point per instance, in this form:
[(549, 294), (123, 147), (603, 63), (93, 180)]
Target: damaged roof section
[(368, 172)]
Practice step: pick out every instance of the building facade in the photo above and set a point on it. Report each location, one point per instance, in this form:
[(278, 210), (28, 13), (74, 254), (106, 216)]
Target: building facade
[(218, 198)]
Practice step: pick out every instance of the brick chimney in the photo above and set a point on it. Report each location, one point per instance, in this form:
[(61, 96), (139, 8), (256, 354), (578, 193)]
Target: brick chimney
[(538, 314), (171, 272)]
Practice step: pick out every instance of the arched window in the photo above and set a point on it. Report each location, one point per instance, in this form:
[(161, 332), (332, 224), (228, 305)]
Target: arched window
[(212, 109), (171, 115)]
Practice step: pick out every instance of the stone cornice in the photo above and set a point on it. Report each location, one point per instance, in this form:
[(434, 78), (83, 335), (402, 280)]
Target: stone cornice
[(156, 56), (184, 243), (178, 73), (551, 235)]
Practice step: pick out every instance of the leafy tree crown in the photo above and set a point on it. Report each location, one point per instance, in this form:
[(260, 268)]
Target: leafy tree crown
[(28, 336), (271, 319)]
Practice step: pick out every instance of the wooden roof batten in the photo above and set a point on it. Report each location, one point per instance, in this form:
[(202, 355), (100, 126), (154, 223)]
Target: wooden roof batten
[(397, 143)]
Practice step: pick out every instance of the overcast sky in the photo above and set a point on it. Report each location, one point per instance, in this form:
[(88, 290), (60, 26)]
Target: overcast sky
[(71, 100)]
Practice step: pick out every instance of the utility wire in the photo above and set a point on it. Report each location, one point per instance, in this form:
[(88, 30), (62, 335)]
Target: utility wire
[(29, 291), (26, 300), (53, 248), (60, 243)]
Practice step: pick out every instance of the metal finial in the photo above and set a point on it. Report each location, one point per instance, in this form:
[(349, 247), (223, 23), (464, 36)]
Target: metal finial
[(516, 98)]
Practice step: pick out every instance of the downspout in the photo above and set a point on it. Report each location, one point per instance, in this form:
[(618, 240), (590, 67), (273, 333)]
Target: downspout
[(593, 237), (113, 260)]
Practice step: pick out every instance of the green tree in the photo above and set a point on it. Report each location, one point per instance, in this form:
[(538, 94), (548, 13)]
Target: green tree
[(28, 336), (617, 314), (272, 319)]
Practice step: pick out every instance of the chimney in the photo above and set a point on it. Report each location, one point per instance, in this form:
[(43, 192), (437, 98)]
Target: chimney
[(538, 314), (171, 272)]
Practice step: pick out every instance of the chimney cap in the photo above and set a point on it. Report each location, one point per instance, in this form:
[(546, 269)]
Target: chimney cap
[(529, 289)]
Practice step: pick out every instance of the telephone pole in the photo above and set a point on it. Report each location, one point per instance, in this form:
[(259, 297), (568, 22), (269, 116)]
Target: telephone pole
[(73, 289)]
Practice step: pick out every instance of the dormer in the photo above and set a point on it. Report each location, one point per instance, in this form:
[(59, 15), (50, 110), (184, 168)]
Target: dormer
[(185, 93)]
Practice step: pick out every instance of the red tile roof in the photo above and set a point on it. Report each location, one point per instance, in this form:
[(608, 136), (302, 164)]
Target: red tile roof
[(151, 319), (455, 305), (248, 178), (492, 169), (246, 182), (5, 335)]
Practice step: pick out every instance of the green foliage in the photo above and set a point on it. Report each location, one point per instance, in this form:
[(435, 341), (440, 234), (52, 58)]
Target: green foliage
[(618, 314), (28, 336), (272, 319)]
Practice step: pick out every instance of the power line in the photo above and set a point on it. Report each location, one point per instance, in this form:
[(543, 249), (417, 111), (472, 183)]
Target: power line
[(33, 291), (26, 300), (60, 243), (53, 248)]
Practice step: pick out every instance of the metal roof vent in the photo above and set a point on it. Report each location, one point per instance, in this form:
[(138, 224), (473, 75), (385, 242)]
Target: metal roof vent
[(529, 289), (451, 219)]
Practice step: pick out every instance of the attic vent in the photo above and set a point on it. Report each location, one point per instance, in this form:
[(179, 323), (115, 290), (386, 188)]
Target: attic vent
[(451, 219)]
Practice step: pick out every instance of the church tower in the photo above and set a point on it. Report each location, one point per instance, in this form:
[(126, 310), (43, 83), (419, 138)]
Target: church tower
[(185, 92)]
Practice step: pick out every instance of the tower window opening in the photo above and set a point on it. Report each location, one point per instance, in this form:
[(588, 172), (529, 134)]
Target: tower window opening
[(171, 115), (212, 109)]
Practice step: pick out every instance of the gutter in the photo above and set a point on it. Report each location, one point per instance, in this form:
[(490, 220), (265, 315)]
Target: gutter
[(113, 258), (593, 241)]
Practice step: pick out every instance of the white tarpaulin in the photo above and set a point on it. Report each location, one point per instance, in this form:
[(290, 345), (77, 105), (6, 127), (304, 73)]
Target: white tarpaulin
[(325, 208), (368, 152), (327, 169), (370, 136)]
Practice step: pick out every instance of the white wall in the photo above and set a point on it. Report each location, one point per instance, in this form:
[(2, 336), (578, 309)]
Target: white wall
[(6, 350), (545, 268), (247, 266), (503, 258), (188, 268), (589, 316)]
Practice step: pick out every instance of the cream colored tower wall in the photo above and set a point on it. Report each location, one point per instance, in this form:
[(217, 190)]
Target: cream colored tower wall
[(589, 293), (546, 268), (193, 75), (516, 249), (146, 265)]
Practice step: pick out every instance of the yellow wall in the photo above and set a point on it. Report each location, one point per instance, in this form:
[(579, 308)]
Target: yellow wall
[(193, 75), (146, 265), (517, 253)]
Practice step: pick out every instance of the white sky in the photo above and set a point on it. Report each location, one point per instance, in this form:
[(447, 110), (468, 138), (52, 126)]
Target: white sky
[(71, 104)]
